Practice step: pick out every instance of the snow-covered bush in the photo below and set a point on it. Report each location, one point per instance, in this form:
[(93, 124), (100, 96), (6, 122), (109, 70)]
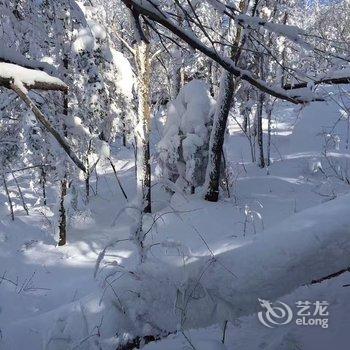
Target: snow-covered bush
[(183, 149)]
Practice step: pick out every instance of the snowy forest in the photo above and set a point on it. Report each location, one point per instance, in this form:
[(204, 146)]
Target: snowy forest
[(174, 174)]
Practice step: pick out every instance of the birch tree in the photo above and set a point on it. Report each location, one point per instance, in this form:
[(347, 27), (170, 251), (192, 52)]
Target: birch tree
[(143, 123)]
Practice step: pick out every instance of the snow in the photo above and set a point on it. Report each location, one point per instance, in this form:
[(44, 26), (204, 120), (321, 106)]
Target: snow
[(291, 32), (10, 55), (268, 237), (61, 306), (125, 75), (24, 76), (97, 30), (335, 74), (218, 5), (83, 42), (187, 123), (224, 60)]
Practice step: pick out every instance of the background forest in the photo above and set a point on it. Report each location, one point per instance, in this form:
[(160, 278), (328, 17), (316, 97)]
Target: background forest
[(169, 169)]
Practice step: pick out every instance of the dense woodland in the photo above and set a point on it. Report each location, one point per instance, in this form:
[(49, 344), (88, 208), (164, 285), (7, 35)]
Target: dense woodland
[(166, 165)]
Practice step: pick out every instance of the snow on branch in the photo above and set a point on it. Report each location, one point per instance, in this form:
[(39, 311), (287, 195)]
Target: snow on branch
[(10, 55), (151, 11), (335, 78), (20, 79), (22, 93), (29, 78)]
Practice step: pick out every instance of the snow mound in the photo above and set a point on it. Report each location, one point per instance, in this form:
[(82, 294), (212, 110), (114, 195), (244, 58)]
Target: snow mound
[(84, 41), (186, 133), (97, 30)]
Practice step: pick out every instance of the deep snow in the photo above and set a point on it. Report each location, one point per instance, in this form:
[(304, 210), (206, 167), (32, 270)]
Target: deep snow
[(50, 299)]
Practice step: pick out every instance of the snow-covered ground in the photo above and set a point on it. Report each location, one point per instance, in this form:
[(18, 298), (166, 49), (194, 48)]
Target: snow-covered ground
[(42, 285)]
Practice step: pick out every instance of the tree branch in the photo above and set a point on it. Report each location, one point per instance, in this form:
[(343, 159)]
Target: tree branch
[(331, 81), (195, 43), (36, 85), (30, 78), (43, 120)]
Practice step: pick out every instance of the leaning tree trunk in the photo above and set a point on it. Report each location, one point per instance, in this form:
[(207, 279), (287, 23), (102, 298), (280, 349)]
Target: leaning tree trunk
[(217, 136), (143, 128), (226, 90)]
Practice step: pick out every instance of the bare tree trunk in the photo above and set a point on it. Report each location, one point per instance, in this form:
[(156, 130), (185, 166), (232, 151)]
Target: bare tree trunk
[(87, 175), (64, 183), (124, 131), (269, 114), (226, 90), (175, 74), (24, 205), (43, 184), (87, 187), (284, 55), (63, 213), (259, 114), (246, 114), (8, 197), (260, 134), (217, 137), (143, 128), (117, 178)]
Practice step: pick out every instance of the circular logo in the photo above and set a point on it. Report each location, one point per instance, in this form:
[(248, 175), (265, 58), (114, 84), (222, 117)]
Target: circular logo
[(274, 314)]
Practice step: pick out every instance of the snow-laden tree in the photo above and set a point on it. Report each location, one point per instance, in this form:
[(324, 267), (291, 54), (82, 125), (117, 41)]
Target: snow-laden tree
[(183, 149)]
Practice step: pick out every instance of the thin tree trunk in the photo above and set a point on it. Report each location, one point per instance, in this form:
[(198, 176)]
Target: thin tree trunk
[(269, 114), (64, 183), (117, 178), (87, 188), (260, 130), (124, 131), (43, 184), (24, 205), (63, 213), (175, 74), (217, 136), (284, 55), (87, 178), (8, 197), (246, 114)]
